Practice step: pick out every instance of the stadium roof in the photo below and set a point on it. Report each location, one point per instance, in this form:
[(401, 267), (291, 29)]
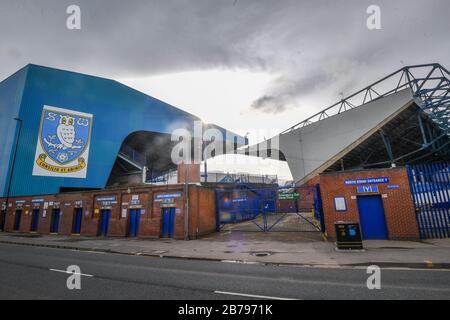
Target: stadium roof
[(402, 118)]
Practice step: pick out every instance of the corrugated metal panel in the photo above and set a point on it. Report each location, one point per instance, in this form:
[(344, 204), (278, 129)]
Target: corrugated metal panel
[(11, 91)]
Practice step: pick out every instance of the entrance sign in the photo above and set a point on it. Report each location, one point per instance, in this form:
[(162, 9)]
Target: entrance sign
[(352, 182), (63, 143), (367, 189), (167, 197)]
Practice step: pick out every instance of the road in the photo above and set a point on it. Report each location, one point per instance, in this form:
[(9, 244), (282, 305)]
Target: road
[(38, 273)]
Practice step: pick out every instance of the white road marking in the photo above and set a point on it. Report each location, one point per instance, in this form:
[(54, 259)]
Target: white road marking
[(252, 295), (92, 251), (65, 271), (243, 262), (323, 266)]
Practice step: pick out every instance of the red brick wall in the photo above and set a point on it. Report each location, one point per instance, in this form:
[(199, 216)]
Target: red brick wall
[(398, 204), (311, 182), (193, 173), (201, 210)]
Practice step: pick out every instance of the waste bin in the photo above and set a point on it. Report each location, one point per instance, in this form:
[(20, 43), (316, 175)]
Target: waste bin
[(348, 235)]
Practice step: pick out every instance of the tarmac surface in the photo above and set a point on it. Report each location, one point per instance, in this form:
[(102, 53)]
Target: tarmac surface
[(281, 248), (31, 272)]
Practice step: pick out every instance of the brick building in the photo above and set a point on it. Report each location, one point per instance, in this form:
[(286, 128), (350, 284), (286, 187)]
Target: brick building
[(144, 212), (380, 200)]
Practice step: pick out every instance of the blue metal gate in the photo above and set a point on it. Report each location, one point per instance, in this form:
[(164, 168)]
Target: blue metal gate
[(17, 220), (54, 221), (133, 222), (430, 187), (34, 220), (104, 222), (77, 219), (168, 222), (371, 217), (270, 209)]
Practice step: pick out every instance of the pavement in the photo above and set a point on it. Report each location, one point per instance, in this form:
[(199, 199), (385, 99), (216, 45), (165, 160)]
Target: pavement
[(42, 273), (281, 248)]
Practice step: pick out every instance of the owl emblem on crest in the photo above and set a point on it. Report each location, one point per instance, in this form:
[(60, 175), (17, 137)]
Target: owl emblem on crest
[(63, 144), (66, 131), (64, 136)]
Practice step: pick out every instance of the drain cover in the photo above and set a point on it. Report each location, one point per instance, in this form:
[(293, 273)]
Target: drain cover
[(261, 253)]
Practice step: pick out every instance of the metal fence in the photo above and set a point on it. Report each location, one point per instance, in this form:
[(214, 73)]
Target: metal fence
[(269, 209), (225, 177), (430, 187)]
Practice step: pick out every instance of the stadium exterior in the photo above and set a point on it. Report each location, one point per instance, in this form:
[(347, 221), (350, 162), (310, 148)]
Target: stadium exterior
[(68, 132), (119, 119), (379, 157)]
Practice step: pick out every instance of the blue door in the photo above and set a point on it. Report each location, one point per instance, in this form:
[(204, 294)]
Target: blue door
[(77, 217), (133, 222), (2, 220), (17, 219), (371, 216), (34, 220), (104, 222), (168, 222), (54, 222)]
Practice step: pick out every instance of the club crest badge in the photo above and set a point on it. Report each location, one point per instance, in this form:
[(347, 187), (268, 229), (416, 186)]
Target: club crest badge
[(63, 145)]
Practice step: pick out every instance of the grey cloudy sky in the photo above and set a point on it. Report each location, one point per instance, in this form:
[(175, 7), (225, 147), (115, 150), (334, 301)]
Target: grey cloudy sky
[(316, 49)]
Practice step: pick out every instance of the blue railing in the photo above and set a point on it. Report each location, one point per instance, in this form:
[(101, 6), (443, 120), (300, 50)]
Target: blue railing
[(247, 203), (430, 187)]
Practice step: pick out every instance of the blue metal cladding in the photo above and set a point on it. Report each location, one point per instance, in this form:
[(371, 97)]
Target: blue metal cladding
[(430, 187), (11, 91), (117, 112)]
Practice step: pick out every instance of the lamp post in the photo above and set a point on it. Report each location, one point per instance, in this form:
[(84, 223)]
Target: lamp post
[(12, 168), (186, 204), (205, 159)]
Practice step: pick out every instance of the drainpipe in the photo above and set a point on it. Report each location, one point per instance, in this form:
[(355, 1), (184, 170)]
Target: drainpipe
[(186, 204), (144, 174)]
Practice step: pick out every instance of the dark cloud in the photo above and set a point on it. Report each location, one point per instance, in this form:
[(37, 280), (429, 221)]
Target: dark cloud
[(269, 104), (313, 48)]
